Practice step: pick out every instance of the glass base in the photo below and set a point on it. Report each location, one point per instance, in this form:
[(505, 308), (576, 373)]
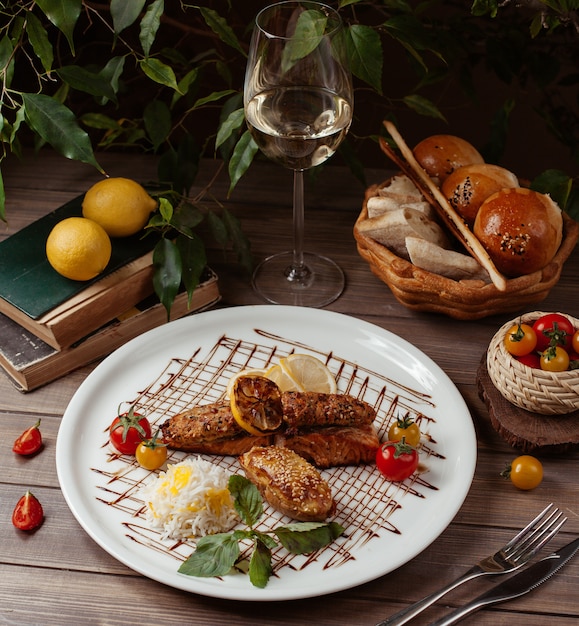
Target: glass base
[(317, 283)]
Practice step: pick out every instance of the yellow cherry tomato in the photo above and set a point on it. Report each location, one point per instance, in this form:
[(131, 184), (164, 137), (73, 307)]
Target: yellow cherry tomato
[(520, 340), (151, 453), (406, 428), (525, 472), (555, 359)]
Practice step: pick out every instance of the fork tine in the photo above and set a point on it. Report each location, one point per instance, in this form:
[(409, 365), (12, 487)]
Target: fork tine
[(531, 542), (523, 533)]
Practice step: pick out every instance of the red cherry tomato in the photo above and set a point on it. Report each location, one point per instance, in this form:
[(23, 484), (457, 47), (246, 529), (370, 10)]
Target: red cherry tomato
[(397, 460), (520, 339), (28, 513), (128, 430), (29, 442), (555, 359), (553, 329), (530, 360), (575, 342)]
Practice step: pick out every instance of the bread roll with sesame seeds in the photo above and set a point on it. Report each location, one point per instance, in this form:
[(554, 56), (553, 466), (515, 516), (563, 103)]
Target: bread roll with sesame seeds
[(520, 229), (289, 483), (469, 186)]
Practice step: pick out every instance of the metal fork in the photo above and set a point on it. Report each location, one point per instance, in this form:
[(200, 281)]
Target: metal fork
[(513, 555)]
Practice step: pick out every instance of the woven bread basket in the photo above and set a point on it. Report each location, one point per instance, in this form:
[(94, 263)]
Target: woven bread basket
[(421, 290), (536, 390)]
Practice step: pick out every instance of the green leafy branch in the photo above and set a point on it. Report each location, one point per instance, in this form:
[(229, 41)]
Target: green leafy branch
[(216, 555)]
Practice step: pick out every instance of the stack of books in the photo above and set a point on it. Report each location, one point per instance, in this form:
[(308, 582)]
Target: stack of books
[(50, 325)]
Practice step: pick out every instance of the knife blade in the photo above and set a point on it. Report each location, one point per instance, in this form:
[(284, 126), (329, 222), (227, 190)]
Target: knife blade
[(516, 586)]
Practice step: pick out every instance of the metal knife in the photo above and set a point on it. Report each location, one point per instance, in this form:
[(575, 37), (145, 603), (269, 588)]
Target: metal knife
[(517, 585)]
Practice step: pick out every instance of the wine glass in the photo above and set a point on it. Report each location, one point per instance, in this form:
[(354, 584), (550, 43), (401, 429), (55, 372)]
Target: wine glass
[(298, 101)]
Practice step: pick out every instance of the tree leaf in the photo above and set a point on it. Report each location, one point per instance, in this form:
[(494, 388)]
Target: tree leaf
[(242, 157), (308, 33), (159, 72), (555, 183), (6, 61), (212, 97), (233, 122), (150, 25), (247, 499), (157, 120), (215, 555), (240, 242), (221, 28), (364, 50), (2, 199), (166, 273), (260, 569), (125, 13), (57, 124), (193, 261), (218, 229), (82, 79), (307, 537), (64, 15), (39, 40), (423, 106)]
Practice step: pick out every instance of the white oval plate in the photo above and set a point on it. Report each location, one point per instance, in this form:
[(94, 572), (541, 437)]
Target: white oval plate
[(189, 362)]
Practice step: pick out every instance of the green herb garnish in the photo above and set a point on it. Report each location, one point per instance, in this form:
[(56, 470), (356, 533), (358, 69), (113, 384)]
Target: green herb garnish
[(216, 555)]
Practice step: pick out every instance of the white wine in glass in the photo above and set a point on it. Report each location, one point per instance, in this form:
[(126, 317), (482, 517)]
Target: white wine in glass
[(298, 102)]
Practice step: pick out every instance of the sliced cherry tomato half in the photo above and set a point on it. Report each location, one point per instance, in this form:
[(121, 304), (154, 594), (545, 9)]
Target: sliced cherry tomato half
[(520, 339), (151, 453), (553, 329), (405, 428), (128, 430), (28, 513), (29, 442), (397, 460), (555, 359), (525, 472)]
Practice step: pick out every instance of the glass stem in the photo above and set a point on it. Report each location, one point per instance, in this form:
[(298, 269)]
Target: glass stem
[(298, 271)]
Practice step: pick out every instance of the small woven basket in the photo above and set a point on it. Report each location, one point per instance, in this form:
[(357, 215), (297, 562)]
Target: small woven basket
[(421, 290), (536, 390)]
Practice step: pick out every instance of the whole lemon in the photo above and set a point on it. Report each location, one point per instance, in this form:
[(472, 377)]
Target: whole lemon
[(120, 205), (78, 248)]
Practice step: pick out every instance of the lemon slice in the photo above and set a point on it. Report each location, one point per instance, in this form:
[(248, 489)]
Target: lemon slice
[(256, 404), (283, 379), (309, 373), (247, 372)]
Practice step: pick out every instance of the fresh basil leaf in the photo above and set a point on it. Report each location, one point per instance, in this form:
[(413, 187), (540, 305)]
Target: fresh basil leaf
[(260, 569), (247, 499), (308, 536), (214, 555)]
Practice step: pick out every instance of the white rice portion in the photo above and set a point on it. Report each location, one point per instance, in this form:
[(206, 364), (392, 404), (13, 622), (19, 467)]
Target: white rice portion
[(190, 499)]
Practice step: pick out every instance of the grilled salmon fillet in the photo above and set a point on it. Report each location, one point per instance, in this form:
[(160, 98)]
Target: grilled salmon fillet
[(333, 445), (289, 483)]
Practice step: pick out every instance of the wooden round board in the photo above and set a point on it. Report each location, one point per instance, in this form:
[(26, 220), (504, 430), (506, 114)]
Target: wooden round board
[(524, 430)]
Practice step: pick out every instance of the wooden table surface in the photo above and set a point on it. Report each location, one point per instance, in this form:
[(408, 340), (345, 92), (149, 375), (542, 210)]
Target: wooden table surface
[(59, 575)]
